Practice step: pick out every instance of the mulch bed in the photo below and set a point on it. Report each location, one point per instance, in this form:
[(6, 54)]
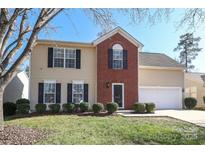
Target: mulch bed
[(35, 114), (16, 135)]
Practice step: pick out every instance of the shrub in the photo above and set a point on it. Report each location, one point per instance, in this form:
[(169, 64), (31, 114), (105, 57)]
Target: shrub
[(150, 107), (9, 108), (111, 107), (97, 107), (23, 108), (77, 107), (69, 107), (55, 108), (190, 102), (84, 106), (40, 108), (139, 107), (22, 101)]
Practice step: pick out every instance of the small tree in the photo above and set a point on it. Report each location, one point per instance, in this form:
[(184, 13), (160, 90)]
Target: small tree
[(188, 48)]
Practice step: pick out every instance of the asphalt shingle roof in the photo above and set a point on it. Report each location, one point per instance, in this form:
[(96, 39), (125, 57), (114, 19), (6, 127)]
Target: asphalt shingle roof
[(157, 59)]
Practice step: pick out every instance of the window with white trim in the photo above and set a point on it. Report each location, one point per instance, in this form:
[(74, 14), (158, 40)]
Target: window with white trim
[(58, 57), (77, 92), (70, 58), (49, 92), (64, 57), (117, 56)]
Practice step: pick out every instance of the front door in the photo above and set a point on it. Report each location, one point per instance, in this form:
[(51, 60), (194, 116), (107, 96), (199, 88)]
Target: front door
[(118, 94)]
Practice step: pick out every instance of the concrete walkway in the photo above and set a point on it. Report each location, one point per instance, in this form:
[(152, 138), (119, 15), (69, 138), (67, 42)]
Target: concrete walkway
[(193, 116)]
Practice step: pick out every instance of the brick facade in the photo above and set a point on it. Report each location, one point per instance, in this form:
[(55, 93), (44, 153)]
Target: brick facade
[(127, 76)]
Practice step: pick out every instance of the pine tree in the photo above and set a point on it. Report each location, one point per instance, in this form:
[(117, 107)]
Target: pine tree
[(188, 47)]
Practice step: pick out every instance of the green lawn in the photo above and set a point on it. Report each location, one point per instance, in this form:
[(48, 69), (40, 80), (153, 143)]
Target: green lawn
[(66, 129)]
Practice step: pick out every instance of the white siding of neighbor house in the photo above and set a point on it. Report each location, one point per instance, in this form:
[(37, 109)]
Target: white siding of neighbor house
[(17, 88)]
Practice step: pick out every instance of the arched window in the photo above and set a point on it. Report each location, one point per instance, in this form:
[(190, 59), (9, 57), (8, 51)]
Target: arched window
[(117, 56)]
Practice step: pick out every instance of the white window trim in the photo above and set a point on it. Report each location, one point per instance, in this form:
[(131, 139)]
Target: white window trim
[(77, 82), (117, 59), (64, 57), (53, 82)]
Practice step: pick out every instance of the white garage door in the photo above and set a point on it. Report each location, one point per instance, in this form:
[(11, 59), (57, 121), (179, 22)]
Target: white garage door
[(163, 97)]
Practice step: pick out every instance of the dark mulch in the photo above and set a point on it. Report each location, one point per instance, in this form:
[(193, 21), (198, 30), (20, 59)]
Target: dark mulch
[(16, 135), (35, 114)]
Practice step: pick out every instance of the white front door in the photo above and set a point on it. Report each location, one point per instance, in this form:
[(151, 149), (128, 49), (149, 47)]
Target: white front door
[(118, 94), (163, 97)]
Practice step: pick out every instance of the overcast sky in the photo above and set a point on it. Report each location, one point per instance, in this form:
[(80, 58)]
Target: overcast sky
[(161, 37)]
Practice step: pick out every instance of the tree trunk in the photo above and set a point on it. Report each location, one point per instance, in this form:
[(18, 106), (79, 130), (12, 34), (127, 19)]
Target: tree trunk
[(1, 109)]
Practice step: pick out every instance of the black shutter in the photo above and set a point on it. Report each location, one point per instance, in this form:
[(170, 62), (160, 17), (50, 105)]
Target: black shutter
[(58, 93), (78, 58), (69, 93), (85, 92), (50, 57), (125, 59), (110, 58), (40, 92)]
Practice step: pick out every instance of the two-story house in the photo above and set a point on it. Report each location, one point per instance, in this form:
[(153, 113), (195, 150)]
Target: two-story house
[(111, 68)]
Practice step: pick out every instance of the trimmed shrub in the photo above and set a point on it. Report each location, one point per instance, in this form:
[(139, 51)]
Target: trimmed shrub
[(77, 107), (84, 106), (150, 107), (9, 108), (190, 102), (22, 101), (40, 108), (69, 107), (139, 107), (111, 107), (23, 108), (97, 107), (55, 108)]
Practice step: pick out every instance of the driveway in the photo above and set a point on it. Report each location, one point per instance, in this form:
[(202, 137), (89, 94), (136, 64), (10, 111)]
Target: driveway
[(193, 116)]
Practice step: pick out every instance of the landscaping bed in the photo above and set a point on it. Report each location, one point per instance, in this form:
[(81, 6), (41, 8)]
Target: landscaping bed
[(18, 135)]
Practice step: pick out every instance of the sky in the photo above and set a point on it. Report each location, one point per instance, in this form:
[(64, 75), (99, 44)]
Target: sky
[(162, 37)]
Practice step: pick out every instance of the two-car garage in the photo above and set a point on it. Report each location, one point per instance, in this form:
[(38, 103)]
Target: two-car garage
[(161, 81), (163, 97)]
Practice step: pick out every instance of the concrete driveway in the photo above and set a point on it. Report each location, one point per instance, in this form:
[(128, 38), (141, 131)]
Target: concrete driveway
[(193, 116)]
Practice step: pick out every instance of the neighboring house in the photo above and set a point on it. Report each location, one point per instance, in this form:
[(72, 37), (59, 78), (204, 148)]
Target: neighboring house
[(17, 88), (195, 87), (111, 68)]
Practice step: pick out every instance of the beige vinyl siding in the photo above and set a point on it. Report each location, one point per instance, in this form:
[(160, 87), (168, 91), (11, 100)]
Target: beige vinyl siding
[(194, 88), (40, 71), (161, 77)]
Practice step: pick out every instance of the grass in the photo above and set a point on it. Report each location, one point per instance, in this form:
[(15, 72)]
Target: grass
[(70, 129)]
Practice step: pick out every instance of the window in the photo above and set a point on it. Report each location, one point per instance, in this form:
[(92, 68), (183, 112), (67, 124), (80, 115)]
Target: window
[(117, 56), (65, 58), (70, 58), (78, 92), (49, 92), (58, 57)]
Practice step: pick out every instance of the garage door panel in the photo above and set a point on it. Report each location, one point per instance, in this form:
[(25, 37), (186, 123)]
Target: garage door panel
[(164, 98)]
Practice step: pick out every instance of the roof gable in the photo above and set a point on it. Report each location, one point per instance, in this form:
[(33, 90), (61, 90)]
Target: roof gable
[(121, 32)]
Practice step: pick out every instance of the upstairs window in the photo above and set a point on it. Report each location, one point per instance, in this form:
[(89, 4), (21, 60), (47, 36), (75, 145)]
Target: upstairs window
[(65, 58), (58, 57), (70, 58), (117, 62)]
